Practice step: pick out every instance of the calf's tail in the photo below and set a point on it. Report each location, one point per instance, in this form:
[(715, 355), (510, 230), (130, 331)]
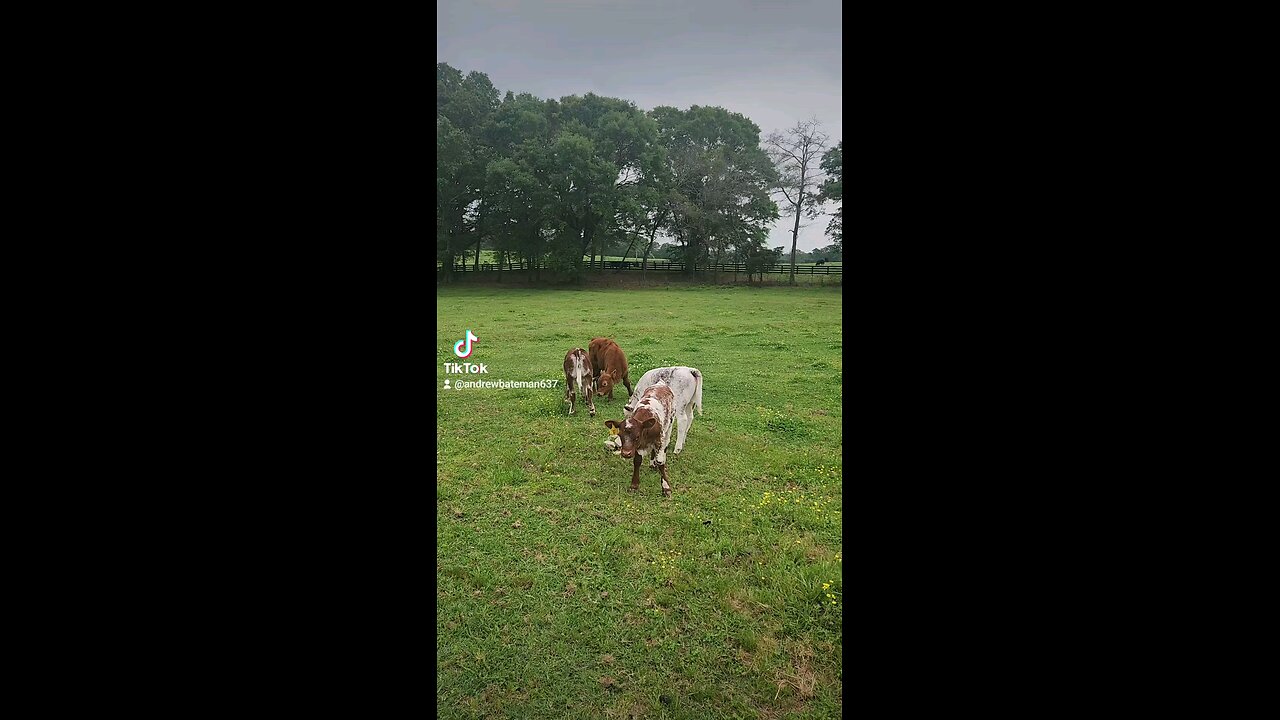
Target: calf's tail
[(697, 391)]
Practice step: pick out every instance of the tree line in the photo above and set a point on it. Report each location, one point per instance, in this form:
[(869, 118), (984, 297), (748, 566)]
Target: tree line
[(560, 183)]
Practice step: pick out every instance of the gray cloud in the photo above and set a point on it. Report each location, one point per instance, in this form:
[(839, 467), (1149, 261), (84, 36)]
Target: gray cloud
[(776, 63)]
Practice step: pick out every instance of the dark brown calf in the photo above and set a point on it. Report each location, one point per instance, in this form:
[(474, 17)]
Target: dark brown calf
[(610, 366), (577, 379)]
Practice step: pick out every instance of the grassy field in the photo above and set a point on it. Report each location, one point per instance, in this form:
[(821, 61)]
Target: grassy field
[(560, 594)]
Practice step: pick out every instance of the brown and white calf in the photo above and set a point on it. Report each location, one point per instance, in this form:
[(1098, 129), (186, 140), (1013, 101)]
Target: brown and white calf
[(647, 432), (610, 366), (577, 379), (686, 387)]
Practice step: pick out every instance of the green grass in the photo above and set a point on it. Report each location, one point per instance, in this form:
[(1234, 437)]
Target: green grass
[(562, 595)]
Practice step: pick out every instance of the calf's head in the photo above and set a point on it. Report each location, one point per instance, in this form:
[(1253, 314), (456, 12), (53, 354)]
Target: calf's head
[(636, 433), (606, 382)]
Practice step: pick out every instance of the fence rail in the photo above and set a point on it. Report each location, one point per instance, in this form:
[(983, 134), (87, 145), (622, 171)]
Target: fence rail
[(634, 265)]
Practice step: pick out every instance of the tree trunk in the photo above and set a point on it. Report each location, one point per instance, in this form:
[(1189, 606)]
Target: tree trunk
[(479, 234), (586, 245), (644, 262), (625, 253), (688, 249), (795, 233), (653, 233), (459, 230), (447, 259)]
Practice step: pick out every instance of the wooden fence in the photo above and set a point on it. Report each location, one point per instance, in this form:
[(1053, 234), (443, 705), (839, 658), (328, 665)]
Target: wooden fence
[(677, 266)]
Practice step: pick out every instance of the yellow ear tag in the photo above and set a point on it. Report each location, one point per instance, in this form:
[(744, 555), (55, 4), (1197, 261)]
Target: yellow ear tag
[(613, 431)]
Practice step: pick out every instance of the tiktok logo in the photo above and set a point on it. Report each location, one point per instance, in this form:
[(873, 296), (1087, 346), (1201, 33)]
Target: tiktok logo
[(457, 347)]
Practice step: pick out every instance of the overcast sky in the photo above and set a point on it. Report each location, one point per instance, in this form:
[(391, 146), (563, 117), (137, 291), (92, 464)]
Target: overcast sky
[(775, 62)]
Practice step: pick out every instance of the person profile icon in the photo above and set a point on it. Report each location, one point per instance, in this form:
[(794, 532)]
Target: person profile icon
[(446, 383)]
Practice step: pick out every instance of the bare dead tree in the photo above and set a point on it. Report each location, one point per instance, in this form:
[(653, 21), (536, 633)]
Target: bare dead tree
[(796, 153)]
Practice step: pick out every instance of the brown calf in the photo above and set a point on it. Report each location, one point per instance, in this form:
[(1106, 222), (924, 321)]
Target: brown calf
[(647, 432), (610, 366), (577, 379)]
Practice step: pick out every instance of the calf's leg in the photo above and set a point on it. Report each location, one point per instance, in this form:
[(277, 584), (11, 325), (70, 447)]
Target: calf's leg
[(685, 417), (666, 487), (666, 438), (635, 473)]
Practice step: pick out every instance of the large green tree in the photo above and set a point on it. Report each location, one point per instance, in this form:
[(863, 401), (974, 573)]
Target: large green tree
[(465, 106), (581, 184), (453, 148), (833, 191), (585, 171), (520, 208), (623, 142), (719, 180)]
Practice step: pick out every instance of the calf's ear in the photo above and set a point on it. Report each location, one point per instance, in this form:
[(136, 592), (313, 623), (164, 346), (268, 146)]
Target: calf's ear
[(611, 424), (648, 423)]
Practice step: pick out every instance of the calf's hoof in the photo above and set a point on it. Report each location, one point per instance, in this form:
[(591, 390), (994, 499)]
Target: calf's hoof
[(666, 493)]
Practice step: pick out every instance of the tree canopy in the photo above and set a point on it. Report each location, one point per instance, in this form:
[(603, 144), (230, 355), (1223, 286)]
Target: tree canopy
[(551, 181), (833, 191)]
